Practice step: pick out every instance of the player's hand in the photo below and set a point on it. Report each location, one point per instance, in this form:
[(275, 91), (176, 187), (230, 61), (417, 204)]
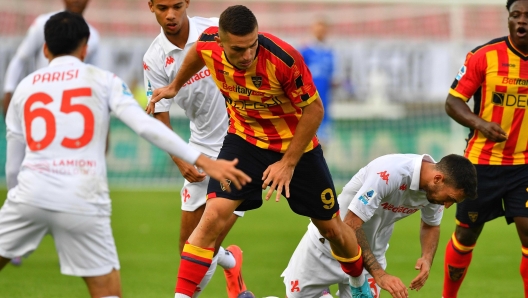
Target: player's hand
[(224, 171), (425, 267), (393, 285), (280, 175), (188, 171), (492, 131), (159, 94)]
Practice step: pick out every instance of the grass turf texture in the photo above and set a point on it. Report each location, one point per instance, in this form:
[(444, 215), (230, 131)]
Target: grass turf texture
[(145, 226)]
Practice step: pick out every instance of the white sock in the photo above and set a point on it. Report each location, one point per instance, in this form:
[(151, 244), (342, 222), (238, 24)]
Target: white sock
[(357, 282), (207, 277), (226, 259), (178, 295)]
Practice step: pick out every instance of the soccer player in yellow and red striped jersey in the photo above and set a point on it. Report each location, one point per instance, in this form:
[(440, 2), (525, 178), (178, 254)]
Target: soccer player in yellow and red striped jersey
[(274, 112), (496, 76)]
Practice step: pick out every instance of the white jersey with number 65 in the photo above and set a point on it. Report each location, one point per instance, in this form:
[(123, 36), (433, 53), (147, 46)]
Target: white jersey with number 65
[(61, 115)]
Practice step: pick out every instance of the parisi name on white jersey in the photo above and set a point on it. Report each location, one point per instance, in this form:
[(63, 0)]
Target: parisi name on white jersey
[(381, 193), (57, 124), (200, 98)]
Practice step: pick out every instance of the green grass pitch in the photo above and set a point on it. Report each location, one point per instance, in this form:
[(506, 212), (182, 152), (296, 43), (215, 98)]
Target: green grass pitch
[(145, 226)]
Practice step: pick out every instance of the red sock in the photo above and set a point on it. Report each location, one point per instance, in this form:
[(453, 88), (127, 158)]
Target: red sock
[(352, 266), (456, 263), (524, 270), (195, 262)]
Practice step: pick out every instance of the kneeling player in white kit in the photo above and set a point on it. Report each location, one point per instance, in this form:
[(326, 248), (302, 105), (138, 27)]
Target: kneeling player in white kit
[(57, 124), (388, 189), (205, 107)]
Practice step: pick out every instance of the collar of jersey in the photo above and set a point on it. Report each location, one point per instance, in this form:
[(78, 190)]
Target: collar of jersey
[(415, 181), (169, 46), (64, 60)]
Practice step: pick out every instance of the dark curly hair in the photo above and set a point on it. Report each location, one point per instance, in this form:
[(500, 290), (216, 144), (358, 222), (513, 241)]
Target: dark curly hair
[(460, 173), (237, 20)]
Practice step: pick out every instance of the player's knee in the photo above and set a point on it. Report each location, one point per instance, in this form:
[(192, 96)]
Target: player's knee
[(467, 236)]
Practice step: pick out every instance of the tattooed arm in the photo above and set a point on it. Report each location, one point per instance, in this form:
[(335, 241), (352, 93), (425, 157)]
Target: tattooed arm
[(390, 283)]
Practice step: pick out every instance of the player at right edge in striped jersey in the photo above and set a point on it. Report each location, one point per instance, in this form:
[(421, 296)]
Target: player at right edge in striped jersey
[(496, 76), (274, 112)]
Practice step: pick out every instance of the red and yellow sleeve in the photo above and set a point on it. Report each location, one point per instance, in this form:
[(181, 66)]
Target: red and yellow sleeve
[(470, 76)]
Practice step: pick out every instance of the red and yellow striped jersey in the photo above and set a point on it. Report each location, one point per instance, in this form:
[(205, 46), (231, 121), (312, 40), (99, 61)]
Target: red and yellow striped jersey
[(264, 101), (496, 75)]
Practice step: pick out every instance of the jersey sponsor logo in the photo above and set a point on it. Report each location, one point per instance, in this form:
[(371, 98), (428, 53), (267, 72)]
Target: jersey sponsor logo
[(367, 196), (398, 209), (56, 76), (295, 286), (65, 167), (145, 66), (168, 61), (473, 216), (509, 100), (461, 73), (253, 105), (198, 76), (514, 81), (257, 81), (384, 176), (403, 187), (241, 90)]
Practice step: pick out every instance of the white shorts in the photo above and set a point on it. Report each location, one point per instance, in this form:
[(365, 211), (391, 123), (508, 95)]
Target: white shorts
[(193, 196), (310, 272), (85, 244)]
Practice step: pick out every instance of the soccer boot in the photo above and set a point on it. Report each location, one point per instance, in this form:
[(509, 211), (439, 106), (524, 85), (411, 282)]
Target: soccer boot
[(233, 276), (362, 292), (17, 261)]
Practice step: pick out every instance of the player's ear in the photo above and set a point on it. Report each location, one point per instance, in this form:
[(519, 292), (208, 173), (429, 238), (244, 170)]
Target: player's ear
[(438, 178), (84, 51), (46, 51), (218, 40), (151, 5)]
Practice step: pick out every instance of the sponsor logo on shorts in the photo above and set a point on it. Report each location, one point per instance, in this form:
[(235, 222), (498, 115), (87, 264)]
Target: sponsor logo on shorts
[(227, 181), (295, 286), (186, 195), (322, 240), (403, 187), (473, 216)]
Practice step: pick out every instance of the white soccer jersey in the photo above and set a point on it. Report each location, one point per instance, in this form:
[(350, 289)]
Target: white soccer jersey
[(200, 98), (60, 115), (30, 50), (381, 193)]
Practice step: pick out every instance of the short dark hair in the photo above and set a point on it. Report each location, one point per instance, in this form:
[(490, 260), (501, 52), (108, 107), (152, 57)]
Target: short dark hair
[(64, 32), (509, 3), (237, 20), (460, 173)]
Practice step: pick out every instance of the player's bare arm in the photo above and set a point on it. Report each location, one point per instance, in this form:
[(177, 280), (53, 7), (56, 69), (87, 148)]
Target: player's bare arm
[(189, 67), (222, 170), (457, 109), (390, 283), (188, 171), (281, 172), (429, 237)]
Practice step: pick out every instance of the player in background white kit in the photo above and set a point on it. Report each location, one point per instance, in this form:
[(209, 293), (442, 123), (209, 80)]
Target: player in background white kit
[(388, 189), (57, 124), (30, 52), (205, 107)]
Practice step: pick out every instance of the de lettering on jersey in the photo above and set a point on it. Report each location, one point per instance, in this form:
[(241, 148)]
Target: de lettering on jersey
[(367, 196)]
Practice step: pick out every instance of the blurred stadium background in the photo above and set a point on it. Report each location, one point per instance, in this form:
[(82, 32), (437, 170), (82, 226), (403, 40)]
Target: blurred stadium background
[(396, 62)]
